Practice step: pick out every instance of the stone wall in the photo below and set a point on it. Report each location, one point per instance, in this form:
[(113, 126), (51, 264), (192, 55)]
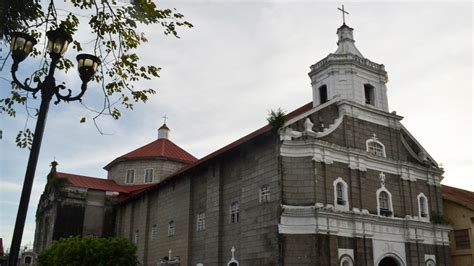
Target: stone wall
[(162, 168)]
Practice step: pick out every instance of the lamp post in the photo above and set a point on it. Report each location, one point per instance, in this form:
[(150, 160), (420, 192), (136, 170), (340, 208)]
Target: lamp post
[(21, 46)]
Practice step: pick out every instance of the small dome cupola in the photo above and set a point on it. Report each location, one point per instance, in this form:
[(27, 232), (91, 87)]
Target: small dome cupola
[(163, 132), (345, 43)]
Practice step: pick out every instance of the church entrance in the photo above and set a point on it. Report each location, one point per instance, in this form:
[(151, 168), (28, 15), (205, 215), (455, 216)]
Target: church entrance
[(388, 261)]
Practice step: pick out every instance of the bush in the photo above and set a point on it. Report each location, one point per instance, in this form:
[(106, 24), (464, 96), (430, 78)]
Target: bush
[(89, 251)]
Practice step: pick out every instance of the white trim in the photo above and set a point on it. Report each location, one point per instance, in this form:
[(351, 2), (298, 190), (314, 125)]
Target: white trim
[(390, 204), (345, 255), (322, 151), (346, 258), (430, 257), (345, 198), (375, 140), (427, 209), (324, 220), (399, 258)]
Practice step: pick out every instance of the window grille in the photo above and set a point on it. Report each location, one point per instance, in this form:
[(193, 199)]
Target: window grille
[(130, 176), (375, 148), (234, 213), (135, 238), (154, 232), (201, 221), (340, 194), (264, 195), (171, 228), (149, 175), (384, 204), (461, 237)]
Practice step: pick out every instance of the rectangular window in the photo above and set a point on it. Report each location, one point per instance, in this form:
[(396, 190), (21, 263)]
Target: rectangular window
[(135, 238), (149, 175), (264, 194), (369, 94), (234, 213), (201, 221), (154, 232), (461, 237), (171, 228), (130, 176)]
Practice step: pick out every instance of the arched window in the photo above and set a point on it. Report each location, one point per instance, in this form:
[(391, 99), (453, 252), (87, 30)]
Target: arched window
[(430, 263), (375, 147), (340, 194), (323, 94), (346, 261), (384, 202), (369, 93), (423, 210), (28, 259), (171, 228), (234, 213)]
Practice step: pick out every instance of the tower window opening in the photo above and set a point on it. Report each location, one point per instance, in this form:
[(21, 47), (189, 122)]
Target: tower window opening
[(323, 94), (384, 204), (369, 94)]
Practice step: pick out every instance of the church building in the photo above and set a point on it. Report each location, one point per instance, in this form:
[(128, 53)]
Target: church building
[(341, 182)]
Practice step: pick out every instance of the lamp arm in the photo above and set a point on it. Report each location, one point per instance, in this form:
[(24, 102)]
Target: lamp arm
[(23, 85), (68, 98)]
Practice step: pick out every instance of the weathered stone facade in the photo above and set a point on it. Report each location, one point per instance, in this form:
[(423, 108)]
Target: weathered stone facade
[(341, 182)]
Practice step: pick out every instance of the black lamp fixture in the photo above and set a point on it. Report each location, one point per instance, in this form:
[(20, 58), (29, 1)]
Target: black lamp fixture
[(58, 41), (87, 65), (21, 46)]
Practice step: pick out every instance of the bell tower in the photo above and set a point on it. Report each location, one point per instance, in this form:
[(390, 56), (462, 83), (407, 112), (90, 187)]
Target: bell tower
[(348, 75)]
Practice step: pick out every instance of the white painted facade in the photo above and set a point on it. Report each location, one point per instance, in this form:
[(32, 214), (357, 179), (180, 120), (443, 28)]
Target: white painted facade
[(346, 71)]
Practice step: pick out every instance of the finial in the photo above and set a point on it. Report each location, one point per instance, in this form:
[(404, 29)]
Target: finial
[(169, 254), (382, 179), (343, 15), (164, 119), (374, 137), (233, 251)]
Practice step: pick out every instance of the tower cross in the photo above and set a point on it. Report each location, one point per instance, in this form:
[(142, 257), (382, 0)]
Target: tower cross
[(343, 14), (164, 119)]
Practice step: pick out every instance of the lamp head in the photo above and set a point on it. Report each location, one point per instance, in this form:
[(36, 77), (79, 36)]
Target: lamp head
[(87, 65), (21, 45), (58, 41)]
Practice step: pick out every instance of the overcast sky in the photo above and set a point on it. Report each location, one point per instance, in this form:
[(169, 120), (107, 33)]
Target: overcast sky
[(244, 58)]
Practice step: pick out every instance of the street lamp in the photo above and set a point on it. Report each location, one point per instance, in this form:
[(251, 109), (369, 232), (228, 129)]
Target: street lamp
[(21, 46)]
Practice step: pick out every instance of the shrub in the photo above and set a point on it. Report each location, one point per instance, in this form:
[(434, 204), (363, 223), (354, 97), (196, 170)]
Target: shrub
[(89, 251)]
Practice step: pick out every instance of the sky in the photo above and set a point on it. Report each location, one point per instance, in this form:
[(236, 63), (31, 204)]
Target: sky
[(244, 58)]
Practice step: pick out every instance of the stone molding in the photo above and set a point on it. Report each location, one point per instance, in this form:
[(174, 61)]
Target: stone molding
[(326, 220), (328, 153), (348, 59)]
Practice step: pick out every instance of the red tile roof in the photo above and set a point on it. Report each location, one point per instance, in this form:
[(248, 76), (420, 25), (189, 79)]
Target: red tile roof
[(230, 146), (460, 196), (160, 148), (100, 183)]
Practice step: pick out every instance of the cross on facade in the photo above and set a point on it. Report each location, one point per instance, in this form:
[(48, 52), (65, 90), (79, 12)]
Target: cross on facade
[(374, 137), (164, 119), (343, 14)]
